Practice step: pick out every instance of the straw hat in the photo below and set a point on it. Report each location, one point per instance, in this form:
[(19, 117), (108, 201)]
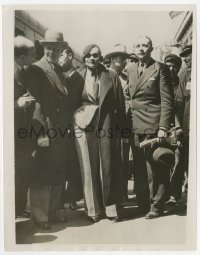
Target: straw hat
[(118, 49)]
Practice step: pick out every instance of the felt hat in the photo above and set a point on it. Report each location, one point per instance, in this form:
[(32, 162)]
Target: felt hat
[(163, 154), (53, 37), (116, 50), (172, 58), (187, 49)]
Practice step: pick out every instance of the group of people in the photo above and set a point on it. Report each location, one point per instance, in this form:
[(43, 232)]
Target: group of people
[(75, 128)]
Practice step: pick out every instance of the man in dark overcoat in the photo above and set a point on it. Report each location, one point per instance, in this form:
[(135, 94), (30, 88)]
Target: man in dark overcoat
[(117, 56), (24, 104), (182, 100), (51, 123), (74, 83), (151, 107)]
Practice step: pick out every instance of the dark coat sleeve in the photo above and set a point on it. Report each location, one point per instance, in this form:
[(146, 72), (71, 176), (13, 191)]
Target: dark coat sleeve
[(120, 103), (180, 102), (167, 97), (36, 83)]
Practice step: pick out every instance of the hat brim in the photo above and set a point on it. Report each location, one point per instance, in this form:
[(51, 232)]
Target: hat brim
[(63, 43), (116, 53)]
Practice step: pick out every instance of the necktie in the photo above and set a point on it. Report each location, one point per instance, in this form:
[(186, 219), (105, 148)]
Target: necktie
[(60, 75), (96, 88), (141, 69)]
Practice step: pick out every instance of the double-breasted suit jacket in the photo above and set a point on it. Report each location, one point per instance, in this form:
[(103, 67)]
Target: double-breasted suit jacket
[(151, 97), (47, 84)]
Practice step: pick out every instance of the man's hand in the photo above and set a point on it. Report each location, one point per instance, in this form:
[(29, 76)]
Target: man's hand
[(125, 140), (25, 101), (162, 133), (43, 141)]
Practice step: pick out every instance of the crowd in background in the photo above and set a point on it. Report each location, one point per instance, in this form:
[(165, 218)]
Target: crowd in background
[(84, 133)]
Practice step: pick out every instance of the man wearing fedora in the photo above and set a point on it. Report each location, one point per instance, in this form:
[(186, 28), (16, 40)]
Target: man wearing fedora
[(174, 63), (74, 83), (118, 56), (182, 100), (152, 109), (50, 123)]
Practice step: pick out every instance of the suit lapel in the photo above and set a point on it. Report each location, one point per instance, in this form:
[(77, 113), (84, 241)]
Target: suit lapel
[(83, 72), (148, 72), (51, 74), (134, 78)]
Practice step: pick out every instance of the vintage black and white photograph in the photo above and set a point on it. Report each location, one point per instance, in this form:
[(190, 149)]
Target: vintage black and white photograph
[(99, 141)]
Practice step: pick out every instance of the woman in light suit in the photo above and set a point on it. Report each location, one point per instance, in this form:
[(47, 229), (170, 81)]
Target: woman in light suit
[(97, 127)]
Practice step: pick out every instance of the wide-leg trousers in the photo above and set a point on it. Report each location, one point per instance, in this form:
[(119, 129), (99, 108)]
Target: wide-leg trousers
[(95, 187), (45, 202)]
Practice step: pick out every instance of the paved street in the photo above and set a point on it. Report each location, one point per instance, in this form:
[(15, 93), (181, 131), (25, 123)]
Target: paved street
[(169, 229)]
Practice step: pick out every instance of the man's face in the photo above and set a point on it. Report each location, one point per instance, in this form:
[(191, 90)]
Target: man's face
[(188, 60), (92, 59), (143, 48), (52, 52), (173, 69), (29, 58), (65, 59), (119, 62)]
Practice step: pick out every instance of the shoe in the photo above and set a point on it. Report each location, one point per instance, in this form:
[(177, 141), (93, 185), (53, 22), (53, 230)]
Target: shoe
[(172, 201), (59, 216), (73, 206), (141, 212), (152, 215), (43, 225), (26, 214), (94, 219), (115, 219)]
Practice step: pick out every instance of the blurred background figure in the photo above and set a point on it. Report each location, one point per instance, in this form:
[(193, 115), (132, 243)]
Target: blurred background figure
[(74, 83), (177, 174), (106, 63), (182, 100), (24, 105)]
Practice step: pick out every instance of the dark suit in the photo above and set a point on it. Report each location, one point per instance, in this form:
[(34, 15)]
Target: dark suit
[(23, 145), (53, 112), (151, 106)]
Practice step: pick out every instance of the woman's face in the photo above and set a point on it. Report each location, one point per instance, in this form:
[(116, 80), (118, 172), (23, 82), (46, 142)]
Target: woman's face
[(92, 58)]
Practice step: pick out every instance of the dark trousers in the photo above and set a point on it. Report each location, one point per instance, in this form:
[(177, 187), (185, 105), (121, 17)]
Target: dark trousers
[(151, 179), (125, 148), (22, 174), (161, 182), (140, 174), (45, 202), (177, 174)]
